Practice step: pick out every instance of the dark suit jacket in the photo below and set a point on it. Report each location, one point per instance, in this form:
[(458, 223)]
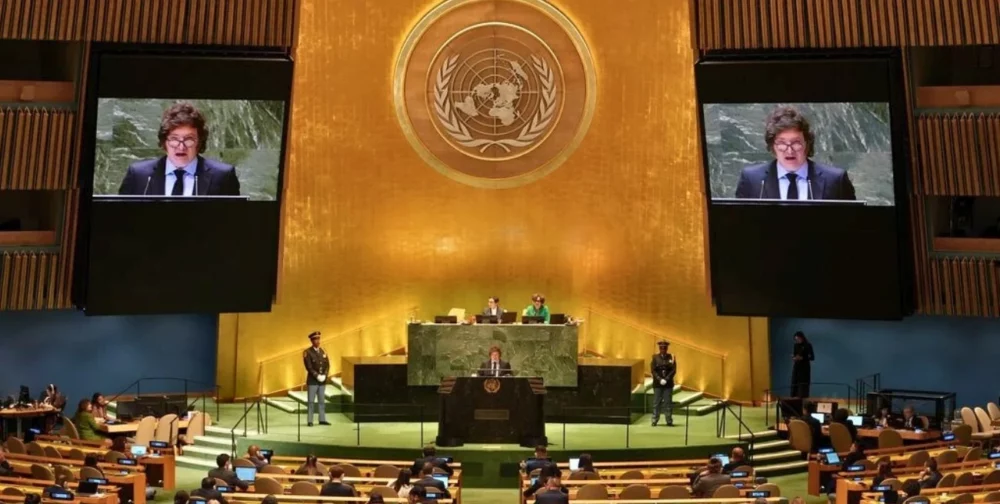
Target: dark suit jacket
[(332, 489), (707, 484), (827, 182), (229, 477), (214, 178), (551, 497), (418, 465), (208, 494), (485, 369), (428, 482), (486, 312)]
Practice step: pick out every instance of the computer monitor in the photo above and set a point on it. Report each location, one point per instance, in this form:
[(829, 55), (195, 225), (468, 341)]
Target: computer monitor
[(574, 464), (223, 489), (994, 455), (138, 451), (557, 318), (824, 450), (267, 453), (90, 486), (532, 320), (248, 474), (534, 480), (25, 395), (857, 420), (855, 468), (738, 474), (722, 458), (948, 436), (820, 417), (832, 458), (445, 459), (434, 495), (508, 317), (445, 319), (443, 478), (127, 462), (486, 319), (65, 495), (159, 444), (756, 494)]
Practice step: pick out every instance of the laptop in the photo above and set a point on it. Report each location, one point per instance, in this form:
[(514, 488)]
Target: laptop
[(445, 459), (508, 317), (89, 486), (138, 451), (857, 420), (534, 480), (248, 474), (486, 319), (268, 453), (832, 458), (443, 478), (820, 417), (532, 320), (445, 319), (723, 458), (557, 318), (574, 464)]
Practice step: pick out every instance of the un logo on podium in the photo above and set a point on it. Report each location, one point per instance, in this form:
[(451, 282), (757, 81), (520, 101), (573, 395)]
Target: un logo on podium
[(492, 385), (495, 93)]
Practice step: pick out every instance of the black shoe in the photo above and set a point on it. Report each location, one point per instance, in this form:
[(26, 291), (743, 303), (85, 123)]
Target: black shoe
[(324, 422), (654, 424), (670, 424), (310, 424)]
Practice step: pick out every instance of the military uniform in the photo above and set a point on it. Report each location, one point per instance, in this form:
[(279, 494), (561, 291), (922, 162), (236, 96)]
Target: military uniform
[(663, 367), (317, 363)]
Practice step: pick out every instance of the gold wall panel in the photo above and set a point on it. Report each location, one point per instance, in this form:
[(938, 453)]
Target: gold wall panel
[(618, 231)]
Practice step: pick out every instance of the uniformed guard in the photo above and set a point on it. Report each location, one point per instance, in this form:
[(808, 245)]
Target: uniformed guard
[(663, 367), (317, 365)]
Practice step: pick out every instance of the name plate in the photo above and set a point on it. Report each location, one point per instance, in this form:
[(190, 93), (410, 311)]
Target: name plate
[(491, 414)]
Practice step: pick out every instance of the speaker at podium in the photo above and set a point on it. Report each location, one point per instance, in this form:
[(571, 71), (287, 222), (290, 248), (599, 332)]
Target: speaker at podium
[(484, 409)]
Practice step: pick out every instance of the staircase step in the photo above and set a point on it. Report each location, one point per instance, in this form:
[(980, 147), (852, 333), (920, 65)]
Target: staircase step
[(781, 469), (649, 387), (777, 456), (285, 404), (226, 431), (707, 406), (759, 436), (685, 398), (765, 446), (215, 441), (338, 386), (194, 462), (205, 452)]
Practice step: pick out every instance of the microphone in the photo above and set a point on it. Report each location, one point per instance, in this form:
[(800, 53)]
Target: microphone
[(761, 195), (810, 181), (195, 185), (148, 180)]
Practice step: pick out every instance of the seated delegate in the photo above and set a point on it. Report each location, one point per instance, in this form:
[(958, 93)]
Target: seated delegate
[(537, 308), (430, 456), (86, 425), (224, 472)]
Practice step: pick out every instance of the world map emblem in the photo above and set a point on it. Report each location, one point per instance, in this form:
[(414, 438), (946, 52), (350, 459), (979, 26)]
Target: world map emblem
[(495, 93)]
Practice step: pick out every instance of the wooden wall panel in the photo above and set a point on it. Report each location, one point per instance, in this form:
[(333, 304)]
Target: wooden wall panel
[(27, 281), (963, 286), (958, 154), (35, 148), (845, 23), (261, 23)]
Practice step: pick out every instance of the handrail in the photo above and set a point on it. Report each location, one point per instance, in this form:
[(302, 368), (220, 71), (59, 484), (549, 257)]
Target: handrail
[(261, 422), (673, 339), (720, 427), (138, 390), (770, 397)]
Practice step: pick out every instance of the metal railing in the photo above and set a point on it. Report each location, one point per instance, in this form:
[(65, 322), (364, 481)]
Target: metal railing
[(213, 388), (864, 385), (261, 418), (624, 413), (723, 409), (368, 412)]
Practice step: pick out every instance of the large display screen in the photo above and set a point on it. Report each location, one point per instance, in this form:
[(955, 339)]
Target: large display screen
[(805, 163), (183, 160)]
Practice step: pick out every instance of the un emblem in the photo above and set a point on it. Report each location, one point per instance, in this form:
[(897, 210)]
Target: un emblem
[(495, 93), (492, 385)]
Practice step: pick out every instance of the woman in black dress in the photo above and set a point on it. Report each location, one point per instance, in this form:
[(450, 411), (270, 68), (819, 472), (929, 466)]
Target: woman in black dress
[(802, 356)]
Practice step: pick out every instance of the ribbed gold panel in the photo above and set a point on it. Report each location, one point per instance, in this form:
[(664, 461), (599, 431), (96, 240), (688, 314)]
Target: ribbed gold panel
[(959, 154), (964, 286), (36, 146), (30, 281), (370, 229), (224, 22), (745, 24)]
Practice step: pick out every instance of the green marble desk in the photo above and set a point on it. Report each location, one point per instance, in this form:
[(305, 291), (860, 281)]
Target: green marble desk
[(437, 351)]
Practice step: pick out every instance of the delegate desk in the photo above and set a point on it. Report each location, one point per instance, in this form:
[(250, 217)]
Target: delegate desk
[(849, 489), (161, 468), (290, 464), (439, 351), (897, 456), (907, 435), (363, 485), (255, 498), (18, 415), (940, 495), (130, 479), (128, 428), (108, 495)]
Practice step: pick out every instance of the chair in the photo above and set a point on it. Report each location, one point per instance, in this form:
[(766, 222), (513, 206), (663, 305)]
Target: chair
[(90, 472), (384, 491), (745, 468), (918, 459), (969, 418), (52, 452), (632, 475), (963, 434), (76, 454), (947, 457), (583, 475), (985, 422), (386, 471), (889, 438), (41, 472), (840, 437), (271, 469), (800, 436), (16, 446), (196, 426), (947, 481), (436, 470), (892, 483), (593, 491), (268, 486), (965, 498), (34, 449), (884, 458), (635, 492), (113, 456), (867, 464), (965, 479), (219, 482), (16, 492), (145, 431), (673, 492), (975, 453), (770, 487), (726, 492), (659, 476), (992, 497), (310, 489), (166, 429), (68, 428), (991, 478), (916, 499), (993, 410), (353, 472), (242, 462), (64, 473)]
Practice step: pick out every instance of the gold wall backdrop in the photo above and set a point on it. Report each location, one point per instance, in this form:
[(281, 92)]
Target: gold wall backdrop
[(373, 234)]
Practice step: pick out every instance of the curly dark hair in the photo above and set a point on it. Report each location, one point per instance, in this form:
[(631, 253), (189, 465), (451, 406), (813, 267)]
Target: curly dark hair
[(787, 118), (183, 114)]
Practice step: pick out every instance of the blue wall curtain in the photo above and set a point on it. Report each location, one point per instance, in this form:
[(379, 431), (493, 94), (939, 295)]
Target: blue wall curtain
[(83, 355), (947, 354)]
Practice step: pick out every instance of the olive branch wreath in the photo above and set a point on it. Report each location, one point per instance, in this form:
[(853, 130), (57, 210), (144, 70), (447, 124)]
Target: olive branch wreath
[(531, 131)]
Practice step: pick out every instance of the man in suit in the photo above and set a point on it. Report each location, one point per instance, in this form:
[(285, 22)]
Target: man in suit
[(336, 486), (540, 460), (208, 491), (317, 365), (495, 366), (663, 367), (910, 420), (710, 479), (736, 459), (430, 457), (792, 175), (814, 425), (182, 171), (493, 308), (428, 482), (554, 491), (224, 472)]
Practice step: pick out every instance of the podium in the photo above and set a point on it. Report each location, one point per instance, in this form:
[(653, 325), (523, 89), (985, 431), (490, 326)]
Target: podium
[(492, 410)]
